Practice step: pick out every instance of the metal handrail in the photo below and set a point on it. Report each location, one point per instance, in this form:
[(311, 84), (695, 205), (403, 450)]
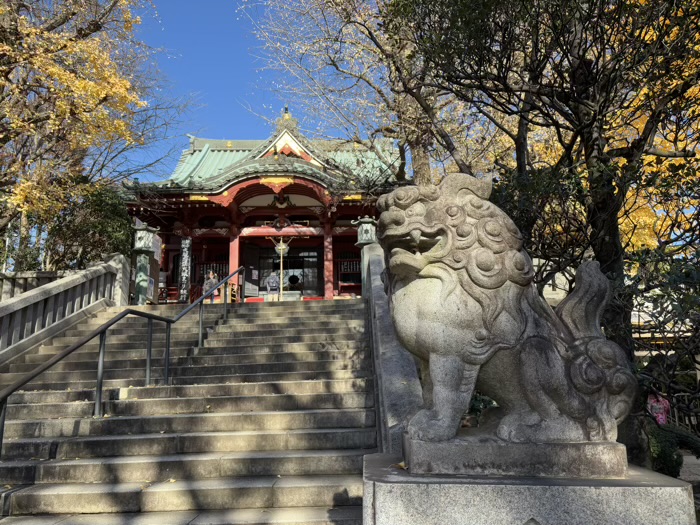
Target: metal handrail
[(102, 332)]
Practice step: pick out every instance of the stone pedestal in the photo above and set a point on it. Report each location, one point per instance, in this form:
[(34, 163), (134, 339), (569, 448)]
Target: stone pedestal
[(482, 455), (393, 496)]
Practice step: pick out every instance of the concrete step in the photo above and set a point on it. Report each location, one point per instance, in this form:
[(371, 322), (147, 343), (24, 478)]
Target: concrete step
[(183, 330), (127, 338), (175, 405), (215, 313), (287, 333), (350, 515), (160, 309), (204, 380), (215, 390), (236, 314), (259, 346), (49, 378), (282, 317), (137, 376), (298, 305), (142, 322), (201, 360), (299, 316), (214, 350), (310, 325), (362, 371), (211, 494), (184, 466), (182, 423), (309, 337), (135, 329), (283, 308), (285, 402), (137, 344), (188, 443), (355, 363)]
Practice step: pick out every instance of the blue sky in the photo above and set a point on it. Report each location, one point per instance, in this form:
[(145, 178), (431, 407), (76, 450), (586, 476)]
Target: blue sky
[(208, 55)]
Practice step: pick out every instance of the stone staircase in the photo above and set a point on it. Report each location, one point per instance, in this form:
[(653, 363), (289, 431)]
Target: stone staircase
[(266, 423)]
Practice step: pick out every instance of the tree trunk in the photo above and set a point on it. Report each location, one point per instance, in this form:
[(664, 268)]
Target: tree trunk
[(422, 175), (527, 216), (6, 217), (603, 211)]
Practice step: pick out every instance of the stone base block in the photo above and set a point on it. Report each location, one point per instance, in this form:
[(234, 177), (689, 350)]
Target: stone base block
[(488, 456), (393, 496)]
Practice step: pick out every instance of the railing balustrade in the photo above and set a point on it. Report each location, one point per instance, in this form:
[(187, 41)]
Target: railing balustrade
[(27, 318), (13, 284)]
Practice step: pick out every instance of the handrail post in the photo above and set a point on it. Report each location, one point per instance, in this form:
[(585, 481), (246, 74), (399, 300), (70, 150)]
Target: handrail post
[(226, 286), (201, 323), (242, 274), (166, 357), (100, 374), (149, 351), (3, 413)]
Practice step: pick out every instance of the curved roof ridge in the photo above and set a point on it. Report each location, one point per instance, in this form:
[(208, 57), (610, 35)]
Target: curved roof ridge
[(226, 144), (269, 167), (191, 164)]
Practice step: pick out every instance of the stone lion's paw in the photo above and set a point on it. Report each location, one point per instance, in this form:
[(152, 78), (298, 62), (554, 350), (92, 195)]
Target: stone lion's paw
[(426, 425)]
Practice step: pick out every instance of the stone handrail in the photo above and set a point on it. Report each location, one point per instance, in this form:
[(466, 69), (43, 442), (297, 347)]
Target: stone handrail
[(399, 393), (31, 317), (13, 284)]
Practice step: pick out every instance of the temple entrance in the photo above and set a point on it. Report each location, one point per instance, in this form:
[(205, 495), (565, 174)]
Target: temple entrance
[(303, 270), (303, 267)]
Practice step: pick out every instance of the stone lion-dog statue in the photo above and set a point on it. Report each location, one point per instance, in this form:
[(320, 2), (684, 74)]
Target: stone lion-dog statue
[(463, 301)]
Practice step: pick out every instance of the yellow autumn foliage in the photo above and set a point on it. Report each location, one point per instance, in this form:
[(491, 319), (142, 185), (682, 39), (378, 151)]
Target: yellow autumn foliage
[(66, 84)]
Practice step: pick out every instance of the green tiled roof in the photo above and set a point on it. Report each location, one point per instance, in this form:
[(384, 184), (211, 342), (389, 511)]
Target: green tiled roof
[(212, 165), (264, 167)]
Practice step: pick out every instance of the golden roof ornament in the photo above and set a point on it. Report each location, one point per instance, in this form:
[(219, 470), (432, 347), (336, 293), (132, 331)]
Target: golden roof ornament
[(286, 121)]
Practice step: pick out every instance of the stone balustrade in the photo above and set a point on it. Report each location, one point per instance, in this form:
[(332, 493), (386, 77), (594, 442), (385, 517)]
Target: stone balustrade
[(399, 393), (13, 284), (29, 318)]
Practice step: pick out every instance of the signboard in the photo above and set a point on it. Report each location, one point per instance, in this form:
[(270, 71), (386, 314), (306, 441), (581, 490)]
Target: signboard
[(151, 288)]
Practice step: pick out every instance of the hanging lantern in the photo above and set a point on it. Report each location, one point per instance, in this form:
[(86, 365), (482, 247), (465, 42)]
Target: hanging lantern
[(282, 248), (366, 230)]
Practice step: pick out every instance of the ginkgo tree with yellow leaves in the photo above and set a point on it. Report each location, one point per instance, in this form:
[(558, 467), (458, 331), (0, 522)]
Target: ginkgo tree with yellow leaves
[(74, 81)]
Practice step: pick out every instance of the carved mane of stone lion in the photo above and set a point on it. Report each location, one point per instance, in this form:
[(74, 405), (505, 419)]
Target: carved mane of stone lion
[(463, 300)]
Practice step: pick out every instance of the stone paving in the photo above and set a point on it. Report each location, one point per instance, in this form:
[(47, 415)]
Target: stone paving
[(690, 472), (691, 469)]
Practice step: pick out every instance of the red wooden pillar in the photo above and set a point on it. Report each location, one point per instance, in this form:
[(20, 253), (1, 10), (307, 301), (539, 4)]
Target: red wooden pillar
[(327, 262), (234, 252), (234, 255)]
